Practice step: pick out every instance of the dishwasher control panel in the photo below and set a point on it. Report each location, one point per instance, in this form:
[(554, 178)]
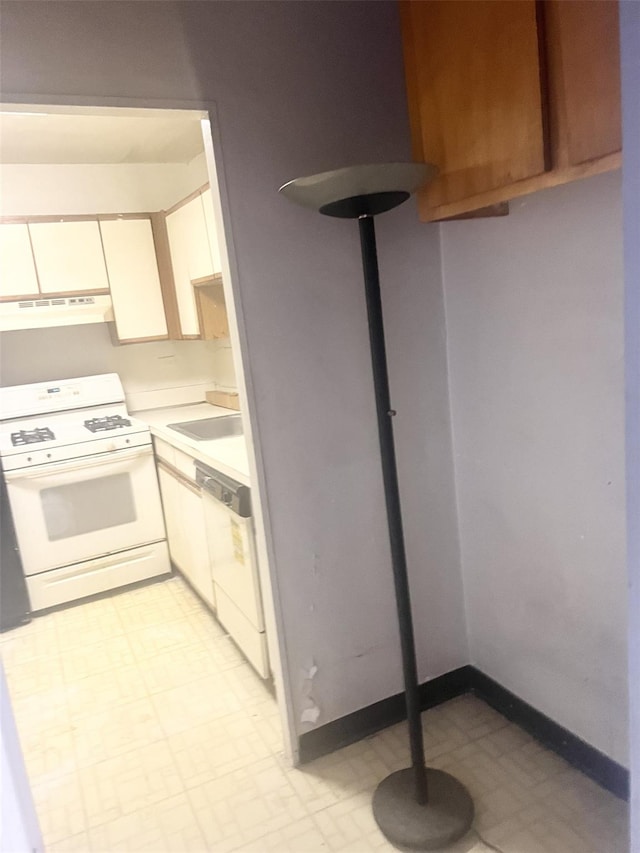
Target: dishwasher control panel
[(230, 493)]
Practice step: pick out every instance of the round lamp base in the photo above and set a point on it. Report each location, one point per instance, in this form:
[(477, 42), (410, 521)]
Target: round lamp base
[(444, 819)]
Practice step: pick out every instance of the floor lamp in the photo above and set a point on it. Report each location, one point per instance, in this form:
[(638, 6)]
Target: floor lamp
[(418, 808)]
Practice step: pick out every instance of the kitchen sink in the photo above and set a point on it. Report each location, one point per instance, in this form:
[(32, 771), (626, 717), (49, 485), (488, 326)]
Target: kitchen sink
[(209, 428)]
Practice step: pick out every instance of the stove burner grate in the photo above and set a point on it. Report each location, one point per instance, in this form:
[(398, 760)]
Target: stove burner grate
[(31, 436), (108, 422)]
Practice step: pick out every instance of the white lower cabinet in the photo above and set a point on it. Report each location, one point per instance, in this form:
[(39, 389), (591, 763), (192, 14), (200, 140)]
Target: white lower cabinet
[(185, 523)]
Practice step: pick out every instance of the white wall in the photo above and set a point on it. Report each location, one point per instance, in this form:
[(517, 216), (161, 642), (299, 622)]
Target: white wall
[(46, 189), (183, 370), (297, 92), (535, 338), (43, 189)]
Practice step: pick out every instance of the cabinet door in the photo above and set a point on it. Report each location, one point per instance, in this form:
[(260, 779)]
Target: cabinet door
[(133, 279), (170, 492), (584, 79), (177, 233), (186, 532), (198, 251), (197, 567), (473, 80), (212, 231), (17, 269), (69, 256)]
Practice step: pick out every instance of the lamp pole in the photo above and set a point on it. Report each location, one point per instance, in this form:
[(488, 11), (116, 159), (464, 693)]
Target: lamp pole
[(418, 808), (392, 498)]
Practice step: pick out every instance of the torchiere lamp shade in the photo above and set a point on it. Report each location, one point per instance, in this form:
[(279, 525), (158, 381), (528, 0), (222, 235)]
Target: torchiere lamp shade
[(359, 190)]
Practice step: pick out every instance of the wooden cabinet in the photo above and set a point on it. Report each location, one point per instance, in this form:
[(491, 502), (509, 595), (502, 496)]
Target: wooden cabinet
[(69, 256), (583, 55), (510, 97), (186, 531), (481, 108), (17, 268), (134, 281)]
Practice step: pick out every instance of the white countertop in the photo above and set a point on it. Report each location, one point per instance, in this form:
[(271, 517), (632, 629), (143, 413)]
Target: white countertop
[(227, 455)]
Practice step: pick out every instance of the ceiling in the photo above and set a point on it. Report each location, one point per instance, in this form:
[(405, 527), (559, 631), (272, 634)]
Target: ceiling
[(33, 137)]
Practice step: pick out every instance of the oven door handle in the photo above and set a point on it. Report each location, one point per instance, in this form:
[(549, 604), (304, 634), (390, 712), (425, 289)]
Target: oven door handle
[(113, 458)]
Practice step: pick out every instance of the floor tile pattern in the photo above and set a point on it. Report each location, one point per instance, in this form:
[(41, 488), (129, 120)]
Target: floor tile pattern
[(144, 729)]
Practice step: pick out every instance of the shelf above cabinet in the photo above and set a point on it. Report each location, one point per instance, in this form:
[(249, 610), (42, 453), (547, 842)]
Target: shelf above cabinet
[(211, 305)]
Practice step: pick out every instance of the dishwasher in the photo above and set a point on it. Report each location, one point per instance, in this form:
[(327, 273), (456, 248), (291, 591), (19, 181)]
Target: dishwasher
[(234, 565)]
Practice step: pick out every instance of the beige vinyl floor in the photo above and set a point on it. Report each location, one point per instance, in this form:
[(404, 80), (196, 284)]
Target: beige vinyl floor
[(143, 729)]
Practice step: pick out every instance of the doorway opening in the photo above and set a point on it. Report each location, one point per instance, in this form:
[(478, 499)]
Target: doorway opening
[(118, 263)]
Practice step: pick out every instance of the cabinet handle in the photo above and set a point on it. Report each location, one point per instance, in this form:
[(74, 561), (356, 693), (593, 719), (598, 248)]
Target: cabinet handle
[(179, 476)]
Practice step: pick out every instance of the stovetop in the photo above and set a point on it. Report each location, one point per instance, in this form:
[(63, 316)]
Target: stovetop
[(65, 429), (46, 421), (31, 436), (106, 423)]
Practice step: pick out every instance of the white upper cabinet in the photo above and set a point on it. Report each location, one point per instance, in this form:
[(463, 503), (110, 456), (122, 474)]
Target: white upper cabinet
[(198, 251), (69, 256), (177, 233), (195, 255), (212, 231), (17, 269), (136, 294)]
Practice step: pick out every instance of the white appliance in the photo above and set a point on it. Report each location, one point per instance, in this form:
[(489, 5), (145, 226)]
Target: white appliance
[(82, 487), (234, 565), (55, 311)]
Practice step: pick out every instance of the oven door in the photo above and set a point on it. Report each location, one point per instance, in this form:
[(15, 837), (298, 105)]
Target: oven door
[(65, 512)]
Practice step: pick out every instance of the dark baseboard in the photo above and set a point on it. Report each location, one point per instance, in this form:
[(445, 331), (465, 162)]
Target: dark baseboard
[(593, 763), (467, 679), (380, 715)]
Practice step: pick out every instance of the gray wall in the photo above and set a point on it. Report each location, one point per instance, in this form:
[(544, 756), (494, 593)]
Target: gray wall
[(534, 306), (302, 87)]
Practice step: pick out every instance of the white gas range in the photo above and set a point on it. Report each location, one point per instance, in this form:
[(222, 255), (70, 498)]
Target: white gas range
[(83, 488)]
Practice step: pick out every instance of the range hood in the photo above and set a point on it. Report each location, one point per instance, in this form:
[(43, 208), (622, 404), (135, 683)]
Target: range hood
[(58, 311)]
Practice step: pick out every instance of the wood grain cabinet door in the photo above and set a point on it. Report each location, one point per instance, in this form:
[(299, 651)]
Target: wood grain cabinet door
[(475, 95), (583, 54)]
